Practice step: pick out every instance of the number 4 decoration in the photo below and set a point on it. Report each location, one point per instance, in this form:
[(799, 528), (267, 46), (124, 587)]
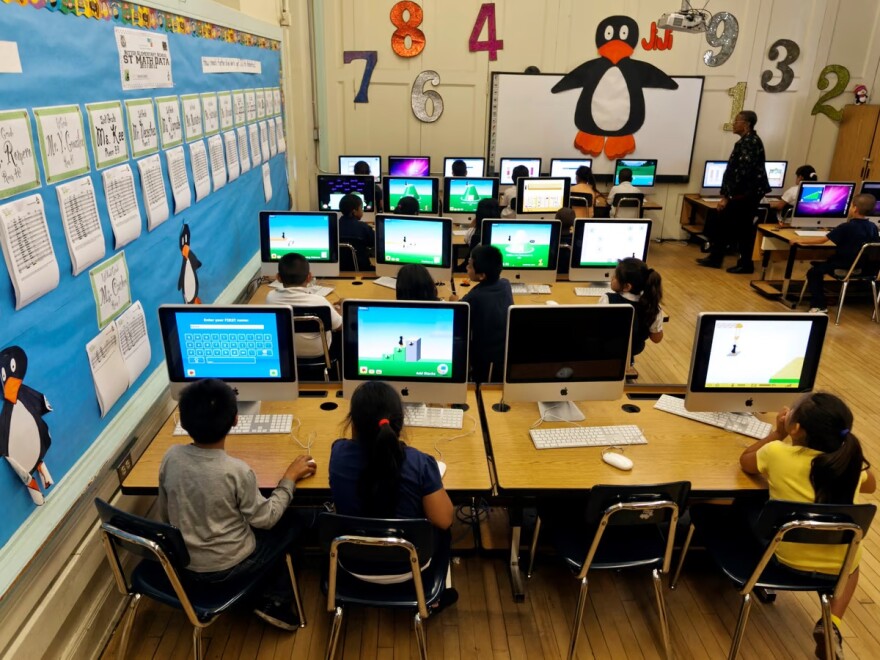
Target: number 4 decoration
[(371, 56), (492, 44)]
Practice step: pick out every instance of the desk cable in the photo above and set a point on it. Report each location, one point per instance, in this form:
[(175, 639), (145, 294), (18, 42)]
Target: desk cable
[(550, 417), (310, 440), (456, 437)]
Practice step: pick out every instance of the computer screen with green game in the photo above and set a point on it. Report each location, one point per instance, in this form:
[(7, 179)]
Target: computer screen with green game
[(524, 244), (425, 190), (462, 194), (644, 171), (413, 240), (314, 235)]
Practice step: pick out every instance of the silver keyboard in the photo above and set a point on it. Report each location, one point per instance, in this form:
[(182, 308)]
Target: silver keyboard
[(322, 291), (591, 290), (388, 282), (433, 417), (587, 436), (711, 199), (254, 425), (744, 424), (520, 289)]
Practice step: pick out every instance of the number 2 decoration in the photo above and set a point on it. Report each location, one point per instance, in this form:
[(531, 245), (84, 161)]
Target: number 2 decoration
[(492, 43), (842, 75), (407, 28), (792, 52), (727, 40), (371, 56), (420, 97)]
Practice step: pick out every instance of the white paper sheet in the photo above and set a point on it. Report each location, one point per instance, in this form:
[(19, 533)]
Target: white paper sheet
[(144, 59), (277, 97), (122, 206), (27, 249), (267, 182), (273, 142), (18, 161), (192, 116), (63, 142), (198, 158), (224, 105), (243, 156), (261, 103), (210, 113), (180, 189), (143, 130), (108, 368), (254, 138), (111, 288), (108, 133), (170, 123), (264, 140), (233, 168), (153, 191), (250, 104), (279, 135), (239, 114), (134, 342), (82, 225), (10, 62), (218, 162)]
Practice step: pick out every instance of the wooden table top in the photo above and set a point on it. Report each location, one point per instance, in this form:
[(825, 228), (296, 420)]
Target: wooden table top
[(269, 455), (789, 235), (677, 449)]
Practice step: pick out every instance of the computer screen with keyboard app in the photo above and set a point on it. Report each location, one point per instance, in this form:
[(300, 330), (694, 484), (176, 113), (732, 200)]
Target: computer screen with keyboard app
[(313, 235), (248, 346), (529, 248), (600, 244), (754, 362)]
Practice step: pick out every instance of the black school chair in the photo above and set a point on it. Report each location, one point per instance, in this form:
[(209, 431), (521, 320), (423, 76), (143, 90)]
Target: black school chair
[(158, 575), (625, 527), (865, 268), (349, 249), (580, 203), (746, 552), (361, 549), (628, 205), (315, 319)]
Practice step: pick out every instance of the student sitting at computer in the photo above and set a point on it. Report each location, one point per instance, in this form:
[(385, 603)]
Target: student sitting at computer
[(408, 205), (508, 209), (363, 167), (586, 184), (230, 530), (414, 282), (486, 208), (789, 197), (635, 284), (459, 167), (625, 186), (293, 280), (824, 464), (849, 238), (352, 230)]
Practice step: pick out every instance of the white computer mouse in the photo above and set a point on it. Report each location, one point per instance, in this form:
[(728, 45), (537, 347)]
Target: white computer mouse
[(442, 467), (312, 463), (619, 461), (551, 302)]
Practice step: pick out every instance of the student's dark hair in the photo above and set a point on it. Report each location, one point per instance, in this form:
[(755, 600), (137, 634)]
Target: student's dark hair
[(293, 269), (532, 70), (459, 167), (519, 172), (585, 174), (408, 205), (488, 261), (362, 167), (806, 172), (566, 215), (414, 282), (376, 420), (827, 422), (750, 117), (625, 174), (865, 203), (350, 203), (644, 282), (486, 208), (207, 410)]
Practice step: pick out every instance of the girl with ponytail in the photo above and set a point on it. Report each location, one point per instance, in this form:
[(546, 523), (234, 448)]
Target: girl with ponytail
[(824, 464), (642, 287)]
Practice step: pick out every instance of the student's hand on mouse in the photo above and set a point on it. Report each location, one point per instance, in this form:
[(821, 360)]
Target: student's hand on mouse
[(302, 467), (781, 416), (452, 298)]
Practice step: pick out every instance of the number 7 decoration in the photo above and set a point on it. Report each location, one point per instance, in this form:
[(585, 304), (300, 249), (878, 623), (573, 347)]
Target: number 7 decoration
[(371, 56)]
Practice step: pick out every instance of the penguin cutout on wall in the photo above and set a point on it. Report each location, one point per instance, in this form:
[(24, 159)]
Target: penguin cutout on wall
[(188, 282), (612, 104), (24, 435)]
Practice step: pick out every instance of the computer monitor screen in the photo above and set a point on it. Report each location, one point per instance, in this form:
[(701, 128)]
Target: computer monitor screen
[(464, 193), (745, 362), (413, 240), (544, 196), (776, 172), (872, 188), (425, 190), (332, 188), (476, 167), (508, 164), (599, 244), (313, 235), (567, 167), (421, 348), (643, 171), (409, 165), (586, 360), (529, 248), (822, 204), (248, 346), (713, 173), (347, 163)]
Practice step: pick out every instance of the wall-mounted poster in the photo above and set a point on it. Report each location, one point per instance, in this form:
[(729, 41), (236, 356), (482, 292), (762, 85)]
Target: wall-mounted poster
[(142, 129), (108, 133), (18, 157), (62, 142), (170, 125)]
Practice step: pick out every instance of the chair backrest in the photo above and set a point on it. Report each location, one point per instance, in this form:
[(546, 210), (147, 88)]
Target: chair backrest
[(867, 263), (314, 318), (619, 197), (580, 199), (166, 537), (761, 214), (563, 262), (349, 249), (629, 205)]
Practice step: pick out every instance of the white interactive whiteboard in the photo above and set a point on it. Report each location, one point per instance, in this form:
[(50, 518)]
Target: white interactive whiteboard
[(526, 119)]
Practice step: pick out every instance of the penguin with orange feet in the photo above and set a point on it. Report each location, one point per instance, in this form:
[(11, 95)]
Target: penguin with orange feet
[(24, 435), (611, 107), (188, 281)]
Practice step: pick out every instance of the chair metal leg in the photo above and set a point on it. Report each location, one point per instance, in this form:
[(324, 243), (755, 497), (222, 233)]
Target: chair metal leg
[(803, 291), (301, 613), (661, 608), (516, 581), (687, 544), (578, 617), (133, 602), (198, 651), (828, 625), (335, 629), (876, 299), (534, 548), (740, 626), (421, 638), (840, 302)]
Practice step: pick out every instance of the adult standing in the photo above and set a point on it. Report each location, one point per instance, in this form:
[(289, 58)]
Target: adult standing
[(743, 186)]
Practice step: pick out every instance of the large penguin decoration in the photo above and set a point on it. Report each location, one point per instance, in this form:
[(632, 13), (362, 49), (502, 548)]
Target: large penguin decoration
[(188, 282), (24, 435), (612, 104)]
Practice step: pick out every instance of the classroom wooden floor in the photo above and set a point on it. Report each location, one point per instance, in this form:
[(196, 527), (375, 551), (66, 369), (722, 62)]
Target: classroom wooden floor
[(621, 619)]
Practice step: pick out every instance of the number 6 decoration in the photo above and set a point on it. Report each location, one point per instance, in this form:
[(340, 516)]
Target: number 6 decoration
[(420, 97), (727, 40), (792, 52)]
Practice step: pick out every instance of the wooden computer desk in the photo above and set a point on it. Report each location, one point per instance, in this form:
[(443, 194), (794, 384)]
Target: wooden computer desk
[(694, 212), (269, 455), (776, 240)]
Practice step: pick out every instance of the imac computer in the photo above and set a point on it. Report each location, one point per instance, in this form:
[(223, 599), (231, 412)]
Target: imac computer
[(713, 173), (529, 248), (541, 197), (644, 171), (599, 244), (568, 166), (507, 165), (347, 163), (419, 348), (332, 188), (745, 362), (409, 165), (776, 174), (250, 347), (872, 188), (314, 235), (586, 361), (462, 194), (421, 240), (425, 190), (476, 166), (822, 204)]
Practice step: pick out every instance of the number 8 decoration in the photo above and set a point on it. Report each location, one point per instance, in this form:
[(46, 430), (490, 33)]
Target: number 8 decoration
[(407, 28)]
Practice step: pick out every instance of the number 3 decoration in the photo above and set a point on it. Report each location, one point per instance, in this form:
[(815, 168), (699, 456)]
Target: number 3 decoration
[(792, 52), (420, 97)]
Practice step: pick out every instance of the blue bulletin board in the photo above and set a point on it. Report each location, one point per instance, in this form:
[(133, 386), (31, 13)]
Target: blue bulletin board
[(72, 60)]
